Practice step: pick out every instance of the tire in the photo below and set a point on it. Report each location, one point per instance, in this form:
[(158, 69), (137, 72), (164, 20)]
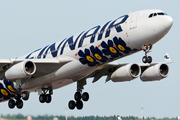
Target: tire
[(77, 96), (17, 96), (79, 105), (48, 98), (145, 59), (19, 104), (149, 59), (11, 104), (71, 104), (85, 96), (25, 95), (42, 98)]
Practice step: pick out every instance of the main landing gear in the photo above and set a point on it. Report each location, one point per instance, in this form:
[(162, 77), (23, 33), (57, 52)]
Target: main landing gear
[(18, 101), (79, 96), (19, 95), (44, 97), (146, 49)]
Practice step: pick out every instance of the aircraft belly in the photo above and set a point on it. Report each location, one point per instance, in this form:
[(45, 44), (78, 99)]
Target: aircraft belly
[(67, 74), (73, 70), (62, 83)]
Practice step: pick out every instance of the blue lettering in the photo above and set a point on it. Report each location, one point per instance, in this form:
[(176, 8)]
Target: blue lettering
[(39, 56), (117, 25), (85, 35), (70, 43), (53, 50), (102, 31), (92, 36), (32, 53)]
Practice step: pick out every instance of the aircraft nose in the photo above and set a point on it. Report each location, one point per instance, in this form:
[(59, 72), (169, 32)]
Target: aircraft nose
[(168, 23), (163, 26)]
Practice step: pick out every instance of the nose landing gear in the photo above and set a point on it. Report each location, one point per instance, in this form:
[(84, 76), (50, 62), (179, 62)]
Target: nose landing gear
[(146, 49)]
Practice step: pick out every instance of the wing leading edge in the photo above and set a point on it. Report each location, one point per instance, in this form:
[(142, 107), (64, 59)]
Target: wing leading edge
[(120, 72), (43, 66)]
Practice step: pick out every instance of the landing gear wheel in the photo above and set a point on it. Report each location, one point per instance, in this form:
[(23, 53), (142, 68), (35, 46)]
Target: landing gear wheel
[(71, 104), (42, 98), (77, 96), (17, 96), (149, 59), (85, 96), (25, 95), (19, 104), (146, 48), (48, 98), (79, 105), (145, 59), (11, 103)]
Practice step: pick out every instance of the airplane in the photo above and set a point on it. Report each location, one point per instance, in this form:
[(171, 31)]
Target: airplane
[(90, 54)]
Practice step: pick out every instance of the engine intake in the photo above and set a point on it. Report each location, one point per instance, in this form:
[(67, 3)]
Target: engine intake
[(21, 70), (156, 72), (126, 73)]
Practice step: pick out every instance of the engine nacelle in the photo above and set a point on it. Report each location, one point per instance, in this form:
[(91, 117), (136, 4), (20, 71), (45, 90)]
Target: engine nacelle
[(126, 73), (21, 70), (155, 72)]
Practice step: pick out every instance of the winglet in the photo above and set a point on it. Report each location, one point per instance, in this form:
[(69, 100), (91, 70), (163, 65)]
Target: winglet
[(167, 58)]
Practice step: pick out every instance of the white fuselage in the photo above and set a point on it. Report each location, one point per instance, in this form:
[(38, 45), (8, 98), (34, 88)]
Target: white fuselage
[(99, 45)]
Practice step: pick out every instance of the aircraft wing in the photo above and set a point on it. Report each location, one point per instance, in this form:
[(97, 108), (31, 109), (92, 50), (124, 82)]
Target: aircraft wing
[(43, 66), (108, 69)]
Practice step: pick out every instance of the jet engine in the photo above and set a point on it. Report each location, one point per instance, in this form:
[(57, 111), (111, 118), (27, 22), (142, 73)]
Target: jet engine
[(21, 70), (155, 72), (126, 73)]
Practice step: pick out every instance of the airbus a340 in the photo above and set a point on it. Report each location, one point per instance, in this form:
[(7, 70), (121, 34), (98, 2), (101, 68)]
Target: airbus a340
[(88, 54)]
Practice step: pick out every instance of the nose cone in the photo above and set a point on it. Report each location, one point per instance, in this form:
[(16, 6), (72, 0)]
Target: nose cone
[(154, 27), (163, 25), (168, 21)]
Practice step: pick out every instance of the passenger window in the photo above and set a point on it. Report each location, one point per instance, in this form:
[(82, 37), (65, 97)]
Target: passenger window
[(150, 15)]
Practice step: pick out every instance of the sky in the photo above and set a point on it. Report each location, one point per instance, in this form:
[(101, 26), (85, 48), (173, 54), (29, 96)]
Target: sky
[(26, 25)]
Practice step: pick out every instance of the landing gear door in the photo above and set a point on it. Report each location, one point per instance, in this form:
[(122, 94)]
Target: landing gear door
[(133, 23)]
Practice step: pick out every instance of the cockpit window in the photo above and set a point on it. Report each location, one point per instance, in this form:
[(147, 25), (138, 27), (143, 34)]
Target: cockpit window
[(150, 15), (155, 14), (160, 13)]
